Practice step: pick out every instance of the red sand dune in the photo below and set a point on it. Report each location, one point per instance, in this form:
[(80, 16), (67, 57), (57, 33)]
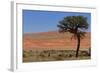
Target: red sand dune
[(54, 40)]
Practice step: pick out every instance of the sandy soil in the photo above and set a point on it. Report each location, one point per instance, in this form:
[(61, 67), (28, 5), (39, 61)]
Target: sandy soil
[(54, 40)]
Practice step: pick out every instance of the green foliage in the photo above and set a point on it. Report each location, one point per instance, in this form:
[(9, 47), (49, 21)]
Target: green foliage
[(74, 24)]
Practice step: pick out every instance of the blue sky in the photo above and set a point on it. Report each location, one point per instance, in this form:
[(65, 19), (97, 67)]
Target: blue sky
[(43, 21)]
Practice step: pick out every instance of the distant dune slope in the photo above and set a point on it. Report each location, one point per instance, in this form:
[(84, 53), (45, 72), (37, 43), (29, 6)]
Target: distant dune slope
[(54, 40)]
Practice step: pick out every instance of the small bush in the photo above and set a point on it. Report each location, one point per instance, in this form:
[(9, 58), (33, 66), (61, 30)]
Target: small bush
[(84, 53)]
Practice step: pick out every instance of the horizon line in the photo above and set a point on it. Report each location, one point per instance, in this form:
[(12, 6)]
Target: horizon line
[(45, 31)]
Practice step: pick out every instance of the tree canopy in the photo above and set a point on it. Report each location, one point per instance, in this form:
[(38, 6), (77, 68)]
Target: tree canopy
[(74, 24)]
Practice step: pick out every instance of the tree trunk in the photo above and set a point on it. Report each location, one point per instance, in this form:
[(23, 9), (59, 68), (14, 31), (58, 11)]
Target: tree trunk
[(78, 45), (89, 52)]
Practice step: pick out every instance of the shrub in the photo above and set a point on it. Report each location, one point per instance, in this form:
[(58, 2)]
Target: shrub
[(84, 53)]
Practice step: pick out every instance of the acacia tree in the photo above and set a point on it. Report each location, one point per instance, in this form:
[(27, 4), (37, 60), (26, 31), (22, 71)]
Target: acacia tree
[(75, 25)]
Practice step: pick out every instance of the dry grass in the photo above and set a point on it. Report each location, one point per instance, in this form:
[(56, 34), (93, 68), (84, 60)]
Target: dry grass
[(53, 55)]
